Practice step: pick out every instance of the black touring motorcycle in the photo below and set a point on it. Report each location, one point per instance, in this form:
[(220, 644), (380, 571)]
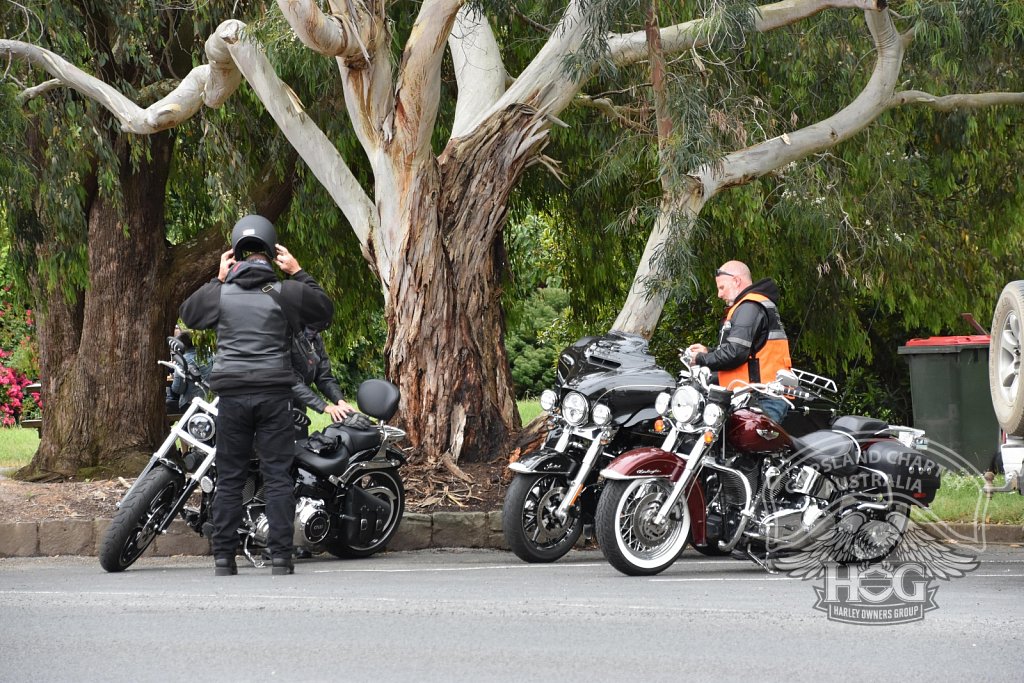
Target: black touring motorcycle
[(602, 405), (348, 491)]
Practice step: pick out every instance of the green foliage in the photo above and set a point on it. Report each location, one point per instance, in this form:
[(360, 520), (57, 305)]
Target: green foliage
[(531, 349)]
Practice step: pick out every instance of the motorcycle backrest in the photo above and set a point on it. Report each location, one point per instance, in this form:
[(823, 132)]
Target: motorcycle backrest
[(378, 398)]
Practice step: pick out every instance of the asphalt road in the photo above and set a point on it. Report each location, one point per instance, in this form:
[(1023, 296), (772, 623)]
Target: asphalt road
[(482, 615)]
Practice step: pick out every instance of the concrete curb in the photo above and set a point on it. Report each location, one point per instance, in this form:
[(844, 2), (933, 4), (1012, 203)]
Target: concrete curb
[(51, 538), (418, 531)]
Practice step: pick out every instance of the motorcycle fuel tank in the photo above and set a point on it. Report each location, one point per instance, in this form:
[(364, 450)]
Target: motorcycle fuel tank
[(751, 432)]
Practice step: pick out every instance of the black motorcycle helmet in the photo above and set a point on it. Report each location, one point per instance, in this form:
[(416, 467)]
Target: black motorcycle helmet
[(254, 234)]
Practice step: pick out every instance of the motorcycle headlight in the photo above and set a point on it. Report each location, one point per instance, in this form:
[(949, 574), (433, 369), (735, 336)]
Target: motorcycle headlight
[(574, 408), (661, 404), (201, 427), (713, 415), (548, 400), (602, 414), (685, 405)]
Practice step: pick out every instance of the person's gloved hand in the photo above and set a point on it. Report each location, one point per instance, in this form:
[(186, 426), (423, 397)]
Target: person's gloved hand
[(357, 421)]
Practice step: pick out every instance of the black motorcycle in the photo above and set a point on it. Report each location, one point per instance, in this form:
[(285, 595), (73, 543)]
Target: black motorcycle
[(601, 406), (348, 490)]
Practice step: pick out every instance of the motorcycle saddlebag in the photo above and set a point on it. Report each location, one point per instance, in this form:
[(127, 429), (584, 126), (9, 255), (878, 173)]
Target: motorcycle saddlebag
[(365, 516), (914, 474)]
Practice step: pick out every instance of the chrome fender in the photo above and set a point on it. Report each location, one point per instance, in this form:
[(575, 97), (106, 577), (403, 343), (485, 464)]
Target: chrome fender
[(545, 461)]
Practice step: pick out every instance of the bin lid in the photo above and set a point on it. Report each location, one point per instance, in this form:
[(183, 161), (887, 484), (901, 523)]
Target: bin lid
[(945, 344)]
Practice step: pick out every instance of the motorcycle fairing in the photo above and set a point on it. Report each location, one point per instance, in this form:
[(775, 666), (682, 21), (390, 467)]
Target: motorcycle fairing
[(545, 461)]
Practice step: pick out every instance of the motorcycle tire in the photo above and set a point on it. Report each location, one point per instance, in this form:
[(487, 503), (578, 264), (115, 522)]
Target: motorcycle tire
[(1004, 354), (141, 514), (386, 485), (629, 539), (531, 530)]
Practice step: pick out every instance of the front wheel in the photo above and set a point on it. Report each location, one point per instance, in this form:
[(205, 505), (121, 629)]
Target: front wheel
[(141, 514), (386, 486), (532, 529), (629, 537)]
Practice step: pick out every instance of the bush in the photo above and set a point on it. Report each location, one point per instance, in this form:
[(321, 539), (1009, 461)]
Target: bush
[(532, 353), (19, 361)]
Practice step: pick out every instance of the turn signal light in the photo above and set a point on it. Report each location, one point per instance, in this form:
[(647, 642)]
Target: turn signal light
[(709, 436), (659, 425)]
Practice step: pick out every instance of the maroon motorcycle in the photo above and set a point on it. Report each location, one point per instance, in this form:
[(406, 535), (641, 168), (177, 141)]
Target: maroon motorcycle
[(729, 480)]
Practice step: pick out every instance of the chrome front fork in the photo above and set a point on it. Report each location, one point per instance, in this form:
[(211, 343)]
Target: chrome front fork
[(598, 438), (692, 461)]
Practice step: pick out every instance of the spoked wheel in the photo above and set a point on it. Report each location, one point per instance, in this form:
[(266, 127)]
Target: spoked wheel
[(386, 486), (141, 514), (630, 539), (532, 529)]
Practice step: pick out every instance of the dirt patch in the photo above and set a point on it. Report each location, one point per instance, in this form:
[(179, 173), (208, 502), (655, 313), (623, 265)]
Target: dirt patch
[(426, 491)]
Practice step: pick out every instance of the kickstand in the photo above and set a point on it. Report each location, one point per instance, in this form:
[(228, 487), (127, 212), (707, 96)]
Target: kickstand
[(761, 563)]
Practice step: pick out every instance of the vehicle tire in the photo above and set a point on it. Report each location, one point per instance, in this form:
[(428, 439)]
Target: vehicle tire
[(626, 532), (135, 524), (387, 486), (528, 520), (1004, 356)]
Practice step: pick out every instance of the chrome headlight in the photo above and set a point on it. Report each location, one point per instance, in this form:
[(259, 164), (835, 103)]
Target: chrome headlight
[(602, 414), (713, 415), (661, 404), (574, 408), (548, 400), (201, 427), (685, 405)]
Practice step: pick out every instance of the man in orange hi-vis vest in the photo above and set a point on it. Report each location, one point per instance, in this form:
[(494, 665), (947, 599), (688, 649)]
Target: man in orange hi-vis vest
[(752, 345)]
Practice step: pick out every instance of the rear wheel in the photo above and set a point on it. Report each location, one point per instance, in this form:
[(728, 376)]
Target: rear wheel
[(141, 514), (1004, 358), (874, 538), (386, 486), (629, 537), (532, 529)]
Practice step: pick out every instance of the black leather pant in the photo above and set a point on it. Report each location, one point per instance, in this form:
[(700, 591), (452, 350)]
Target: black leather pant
[(260, 423)]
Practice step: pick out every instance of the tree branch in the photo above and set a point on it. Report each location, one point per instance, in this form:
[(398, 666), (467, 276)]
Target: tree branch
[(343, 34), (744, 165), (479, 70), (958, 101), (418, 90), (628, 48), (315, 148)]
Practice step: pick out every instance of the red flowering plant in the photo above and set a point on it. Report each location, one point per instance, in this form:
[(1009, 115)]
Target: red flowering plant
[(19, 362)]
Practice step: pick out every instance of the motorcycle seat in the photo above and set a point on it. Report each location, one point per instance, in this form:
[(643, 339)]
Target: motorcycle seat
[(828, 451), (859, 425), (328, 466)]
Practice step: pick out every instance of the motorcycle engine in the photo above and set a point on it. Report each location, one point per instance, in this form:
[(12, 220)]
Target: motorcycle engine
[(312, 523)]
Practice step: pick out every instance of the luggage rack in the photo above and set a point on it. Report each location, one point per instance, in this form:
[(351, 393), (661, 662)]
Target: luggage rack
[(810, 380)]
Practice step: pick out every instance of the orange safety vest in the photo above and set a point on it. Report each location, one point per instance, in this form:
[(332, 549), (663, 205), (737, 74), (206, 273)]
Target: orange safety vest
[(763, 364)]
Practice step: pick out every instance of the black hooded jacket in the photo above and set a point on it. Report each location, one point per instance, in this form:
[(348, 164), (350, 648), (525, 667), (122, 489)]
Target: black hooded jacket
[(745, 333), (253, 336)]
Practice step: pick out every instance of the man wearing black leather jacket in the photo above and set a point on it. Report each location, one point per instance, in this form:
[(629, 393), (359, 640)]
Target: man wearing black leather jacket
[(752, 345), (322, 378), (253, 377)]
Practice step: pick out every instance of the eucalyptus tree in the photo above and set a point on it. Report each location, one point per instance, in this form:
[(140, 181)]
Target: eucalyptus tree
[(430, 224), (110, 231)]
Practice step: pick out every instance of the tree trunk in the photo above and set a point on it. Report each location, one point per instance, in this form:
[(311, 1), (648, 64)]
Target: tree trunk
[(444, 313), (102, 389)]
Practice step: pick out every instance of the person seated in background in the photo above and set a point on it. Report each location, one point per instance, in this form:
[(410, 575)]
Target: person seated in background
[(315, 373)]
